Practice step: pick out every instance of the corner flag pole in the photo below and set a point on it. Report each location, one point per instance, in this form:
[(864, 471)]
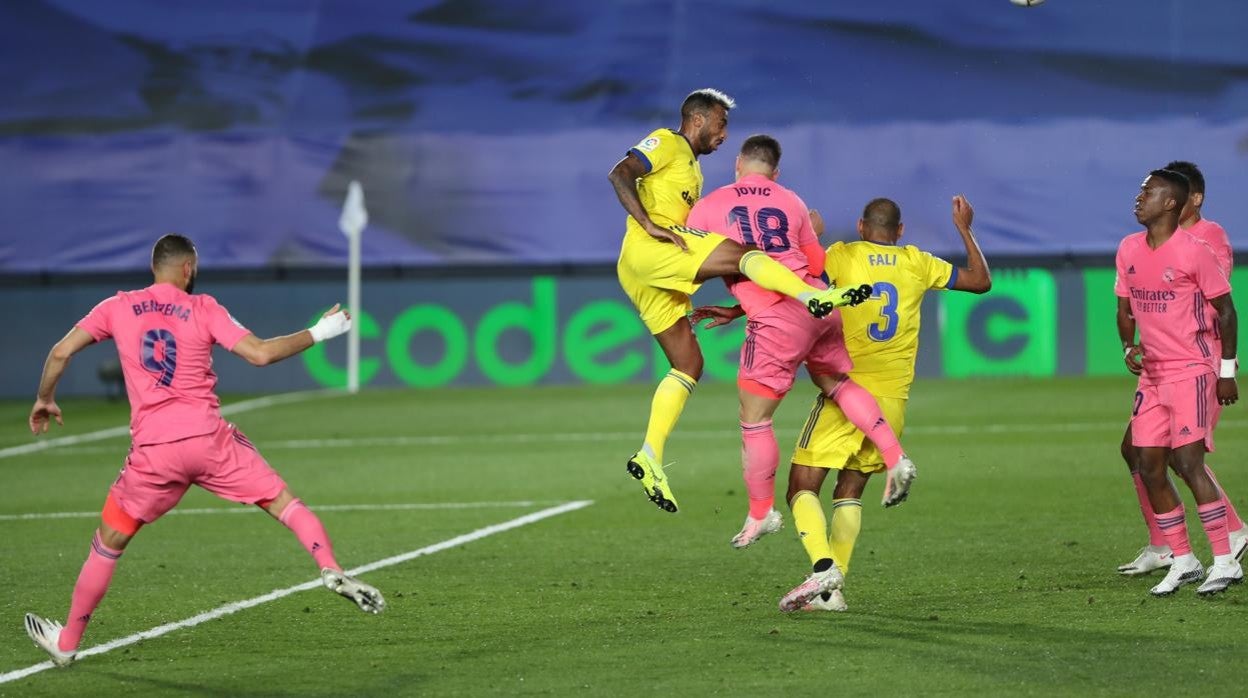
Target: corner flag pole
[(354, 219)]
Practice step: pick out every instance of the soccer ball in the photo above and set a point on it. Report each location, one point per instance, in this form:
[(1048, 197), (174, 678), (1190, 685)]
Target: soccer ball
[(1027, 3)]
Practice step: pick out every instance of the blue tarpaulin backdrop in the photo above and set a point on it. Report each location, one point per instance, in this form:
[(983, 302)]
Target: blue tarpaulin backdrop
[(483, 130)]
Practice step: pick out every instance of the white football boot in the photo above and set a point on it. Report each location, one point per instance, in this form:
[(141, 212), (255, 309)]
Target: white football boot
[(814, 585), (1239, 542), (1220, 577), (828, 601), (365, 596), (47, 636), (1151, 557), (757, 528), (1181, 572), (897, 484)]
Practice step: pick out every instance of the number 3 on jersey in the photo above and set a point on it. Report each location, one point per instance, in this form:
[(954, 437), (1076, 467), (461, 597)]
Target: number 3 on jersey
[(883, 329), (168, 352)]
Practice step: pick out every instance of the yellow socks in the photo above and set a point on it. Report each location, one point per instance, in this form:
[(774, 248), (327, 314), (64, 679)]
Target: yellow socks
[(669, 401), (846, 523), (812, 527), (774, 276)]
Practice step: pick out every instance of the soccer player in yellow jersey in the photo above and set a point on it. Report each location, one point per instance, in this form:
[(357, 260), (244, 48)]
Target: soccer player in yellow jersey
[(883, 340), (662, 262)]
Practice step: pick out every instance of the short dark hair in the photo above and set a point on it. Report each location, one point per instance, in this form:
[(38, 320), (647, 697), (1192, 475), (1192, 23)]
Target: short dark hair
[(762, 148), (170, 248), (703, 100), (1195, 180), (1177, 182), (883, 214)]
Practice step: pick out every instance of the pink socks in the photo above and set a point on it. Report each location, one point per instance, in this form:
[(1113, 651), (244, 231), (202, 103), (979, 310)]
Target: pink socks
[(1174, 528), (1213, 518), (90, 588), (1233, 522), (308, 529), (1155, 537), (760, 456), (864, 412)]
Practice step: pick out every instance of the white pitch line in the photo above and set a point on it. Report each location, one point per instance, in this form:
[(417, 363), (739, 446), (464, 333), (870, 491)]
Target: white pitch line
[(407, 506), (281, 593), (114, 432), (589, 437)]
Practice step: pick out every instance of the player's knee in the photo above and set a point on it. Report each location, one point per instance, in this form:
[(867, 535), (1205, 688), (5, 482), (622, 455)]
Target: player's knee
[(690, 365)]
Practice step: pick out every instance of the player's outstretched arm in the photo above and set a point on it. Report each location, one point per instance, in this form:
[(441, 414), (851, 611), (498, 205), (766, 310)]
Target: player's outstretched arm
[(1228, 327), (262, 352), (623, 179), (46, 409), (975, 277)]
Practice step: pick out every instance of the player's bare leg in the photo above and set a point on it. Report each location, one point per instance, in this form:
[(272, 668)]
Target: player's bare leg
[(731, 258), (1156, 555), (760, 457), (291, 513), (680, 346), (61, 642)]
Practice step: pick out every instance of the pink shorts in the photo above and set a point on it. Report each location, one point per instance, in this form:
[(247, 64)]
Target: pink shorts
[(782, 337), (224, 462), (1176, 414)]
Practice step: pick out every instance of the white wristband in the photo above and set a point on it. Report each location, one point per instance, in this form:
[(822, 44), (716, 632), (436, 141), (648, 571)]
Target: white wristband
[(330, 327), (1228, 368)]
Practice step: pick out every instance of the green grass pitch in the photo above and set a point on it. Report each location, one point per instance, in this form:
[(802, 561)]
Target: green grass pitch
[(996, 578)]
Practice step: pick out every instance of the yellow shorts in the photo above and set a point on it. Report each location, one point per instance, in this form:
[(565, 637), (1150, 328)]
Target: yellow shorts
[(830, 440), (659, 276)]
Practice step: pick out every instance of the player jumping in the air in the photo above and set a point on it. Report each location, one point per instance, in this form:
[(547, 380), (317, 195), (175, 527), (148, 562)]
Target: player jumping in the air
[(1157, 555), (164, 337), (780, 336), (1166, 278), (663, 261), (883, 341)]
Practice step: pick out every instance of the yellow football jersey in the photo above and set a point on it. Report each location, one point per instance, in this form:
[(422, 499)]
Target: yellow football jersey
[(674, 181), (883, 333)]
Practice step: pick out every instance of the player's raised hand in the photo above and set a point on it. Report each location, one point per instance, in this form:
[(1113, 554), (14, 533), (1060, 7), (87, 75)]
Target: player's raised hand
[(334, 322), (963, 212), (717, 314), (42, 414), (816, 222), (1133, 355), (1228, 391), (666, 235)]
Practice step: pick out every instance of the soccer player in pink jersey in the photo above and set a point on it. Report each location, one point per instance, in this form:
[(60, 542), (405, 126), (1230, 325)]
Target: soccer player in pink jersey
[(780, 335), (1157, 555), (1165, 278), (164, 337)]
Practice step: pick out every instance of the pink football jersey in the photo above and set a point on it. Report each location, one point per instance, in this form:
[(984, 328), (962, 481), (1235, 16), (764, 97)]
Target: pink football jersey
[(759, 213), (164, 337), (1169, 288)]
